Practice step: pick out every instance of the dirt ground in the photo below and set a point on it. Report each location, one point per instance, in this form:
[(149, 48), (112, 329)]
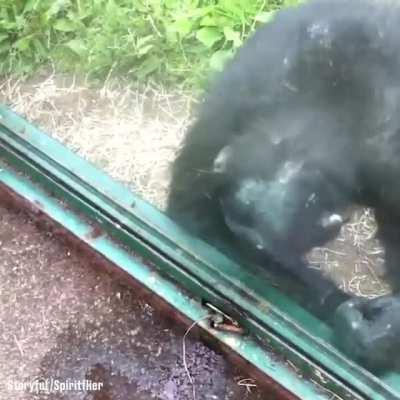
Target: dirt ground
[(62, 318), (132, 134)]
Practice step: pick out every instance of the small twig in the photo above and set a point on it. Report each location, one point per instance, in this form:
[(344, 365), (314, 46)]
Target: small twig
[(21, 350), (191, 380), (248, 383), (335, 252)]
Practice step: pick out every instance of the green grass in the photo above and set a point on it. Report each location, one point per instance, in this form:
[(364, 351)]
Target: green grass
[(172, 41)]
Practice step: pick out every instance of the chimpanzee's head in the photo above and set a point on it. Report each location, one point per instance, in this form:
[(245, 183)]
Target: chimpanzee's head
[(273, 204)]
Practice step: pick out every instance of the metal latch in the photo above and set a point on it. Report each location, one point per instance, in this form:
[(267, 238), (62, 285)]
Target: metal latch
[(220, 321)]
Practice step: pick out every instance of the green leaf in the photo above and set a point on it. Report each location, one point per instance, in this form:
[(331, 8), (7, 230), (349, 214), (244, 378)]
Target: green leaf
[(265, 16), (182, 26), (148, 66), (64, 25), (199, 12), (23, 43), (220, 58), (30, 5), (141, 51), (171, 35), (3, 37), (290, 3), (77, 46), (40, 49), (142, 41), (235, 9), (8, 25), (233, 36), (56, 7), (208, 21), (208, 36), (5, 48), (170, 3)]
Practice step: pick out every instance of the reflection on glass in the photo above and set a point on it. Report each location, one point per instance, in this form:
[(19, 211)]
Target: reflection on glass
[(301, 127), (290, 167)]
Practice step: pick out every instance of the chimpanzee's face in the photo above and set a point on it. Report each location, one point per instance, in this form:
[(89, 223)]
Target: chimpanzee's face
[(274, 205)]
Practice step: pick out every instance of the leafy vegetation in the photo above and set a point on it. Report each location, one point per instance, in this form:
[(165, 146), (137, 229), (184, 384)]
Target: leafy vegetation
[(168, 40)]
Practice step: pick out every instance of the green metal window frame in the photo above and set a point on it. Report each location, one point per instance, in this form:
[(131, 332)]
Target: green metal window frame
[(188, 272)]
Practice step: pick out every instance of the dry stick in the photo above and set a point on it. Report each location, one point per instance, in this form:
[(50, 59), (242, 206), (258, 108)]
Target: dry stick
[(19, 346), (374, 274), (191, 380), (248, 383)]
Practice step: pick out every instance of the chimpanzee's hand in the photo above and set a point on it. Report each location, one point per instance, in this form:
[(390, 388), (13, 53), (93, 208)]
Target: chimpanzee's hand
[(369, 330)]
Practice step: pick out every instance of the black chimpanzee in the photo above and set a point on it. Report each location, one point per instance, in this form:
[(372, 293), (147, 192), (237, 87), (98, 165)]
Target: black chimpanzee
[(304, 122)]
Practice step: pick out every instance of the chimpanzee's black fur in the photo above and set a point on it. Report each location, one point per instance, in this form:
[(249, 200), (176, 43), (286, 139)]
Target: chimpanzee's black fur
[(301, 124)]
